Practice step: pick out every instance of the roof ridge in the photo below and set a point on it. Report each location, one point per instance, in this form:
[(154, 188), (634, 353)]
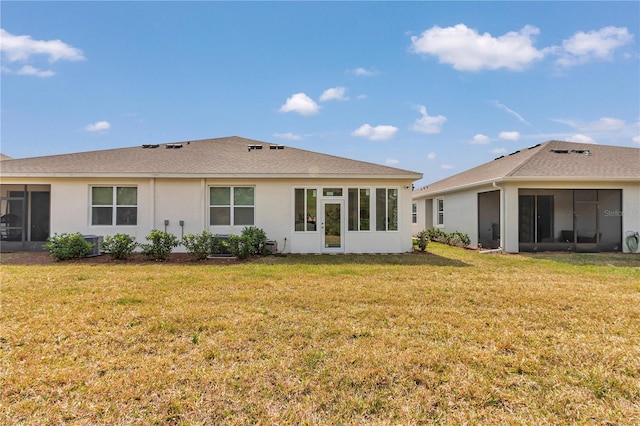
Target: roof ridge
[(526, 160)]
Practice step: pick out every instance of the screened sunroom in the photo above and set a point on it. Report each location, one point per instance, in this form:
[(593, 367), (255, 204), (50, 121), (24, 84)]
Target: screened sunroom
[(582, 220)]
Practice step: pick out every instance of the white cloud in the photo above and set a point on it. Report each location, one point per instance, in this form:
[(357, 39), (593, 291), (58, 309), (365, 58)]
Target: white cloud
[(29, 70), (363, 72), (378, 133), (467, 50), (431, 156), (447, 166), (509, 136), (391, 162), (512, 112), (581, 139), (498, 151), (480, 139), (594, 45), (98, 126), (22, 48), (604, 124), (288, 136), (428, 124), (334, 94), (300, 103), (636, 139)]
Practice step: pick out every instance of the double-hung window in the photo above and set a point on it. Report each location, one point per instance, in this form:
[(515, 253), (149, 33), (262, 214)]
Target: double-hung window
[(440, 204), (359, 209), (386, 209), (114, 205), (414, 213), (306, 209), (231, 205)]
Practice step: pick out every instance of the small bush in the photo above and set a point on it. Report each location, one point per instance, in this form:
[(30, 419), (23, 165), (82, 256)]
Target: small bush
[(422, 240), (256, 238), (454, 238), (68, 246), (199, 246), (218, 246), (436, 234), (162, 243), (251, 242), (459, 239), (119, 246)]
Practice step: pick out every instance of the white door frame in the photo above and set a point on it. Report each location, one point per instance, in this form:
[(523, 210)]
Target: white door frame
[(329, 246)]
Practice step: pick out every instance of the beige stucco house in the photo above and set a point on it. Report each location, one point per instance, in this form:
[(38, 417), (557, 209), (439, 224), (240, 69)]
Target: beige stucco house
[(555, 196), (305, 201)]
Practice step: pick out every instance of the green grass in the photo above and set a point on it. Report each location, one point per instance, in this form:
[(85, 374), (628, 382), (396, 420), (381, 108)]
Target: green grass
[(447, 337)]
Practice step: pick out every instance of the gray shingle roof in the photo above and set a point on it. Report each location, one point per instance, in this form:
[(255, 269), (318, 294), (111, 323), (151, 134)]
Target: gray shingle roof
[(229, 156), (552, 160)]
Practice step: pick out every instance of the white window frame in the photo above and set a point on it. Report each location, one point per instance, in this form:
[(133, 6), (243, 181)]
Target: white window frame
[(306, 214), (358, 208), (232, 205), (440, 211), (386, 209), (114, 205), (414, 212)]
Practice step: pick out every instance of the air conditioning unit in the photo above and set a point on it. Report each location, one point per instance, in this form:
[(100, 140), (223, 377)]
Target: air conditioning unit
[(272, 246), (96, 240)]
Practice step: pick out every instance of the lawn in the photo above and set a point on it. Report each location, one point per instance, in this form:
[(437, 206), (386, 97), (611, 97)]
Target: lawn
[(448, 337)]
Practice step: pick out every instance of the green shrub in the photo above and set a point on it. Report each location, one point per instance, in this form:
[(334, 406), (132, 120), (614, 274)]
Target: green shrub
[(200, 246), (162, 243), (459, 239), (436, 234), (239, 246), (423, 240), (119, 246), (252, 241), (256, 238), (454, 238), (217, 245), (68, 246)]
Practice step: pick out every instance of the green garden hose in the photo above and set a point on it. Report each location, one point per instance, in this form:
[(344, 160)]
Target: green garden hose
[(632, 241)]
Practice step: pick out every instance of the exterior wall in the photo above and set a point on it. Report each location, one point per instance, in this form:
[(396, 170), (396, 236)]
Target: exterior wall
[(461, 208), (175, 200), (425, 215), (630, 206), (460, 212)]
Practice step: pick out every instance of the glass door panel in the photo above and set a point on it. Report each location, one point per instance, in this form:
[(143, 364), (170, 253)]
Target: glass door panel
[(332, 235)]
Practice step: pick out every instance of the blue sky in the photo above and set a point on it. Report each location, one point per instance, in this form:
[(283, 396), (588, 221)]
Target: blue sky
[(433, 87)]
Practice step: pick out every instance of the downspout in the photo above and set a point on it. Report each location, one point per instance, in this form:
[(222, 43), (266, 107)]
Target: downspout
[(152, 202), (502, 225)]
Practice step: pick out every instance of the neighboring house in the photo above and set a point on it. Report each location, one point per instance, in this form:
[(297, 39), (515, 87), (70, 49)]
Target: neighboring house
[(555, 196), (305, 201)]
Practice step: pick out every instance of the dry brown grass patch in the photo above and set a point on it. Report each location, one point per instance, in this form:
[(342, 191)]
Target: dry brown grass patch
[(449, 337)]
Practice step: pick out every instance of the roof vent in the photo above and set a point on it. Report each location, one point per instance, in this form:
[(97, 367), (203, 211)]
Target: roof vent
[(581, 151), (173, 146), (514, 152), (253, 146), (147, 146), (560, 151), (276, 146), (535, 146), (497, 158)]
